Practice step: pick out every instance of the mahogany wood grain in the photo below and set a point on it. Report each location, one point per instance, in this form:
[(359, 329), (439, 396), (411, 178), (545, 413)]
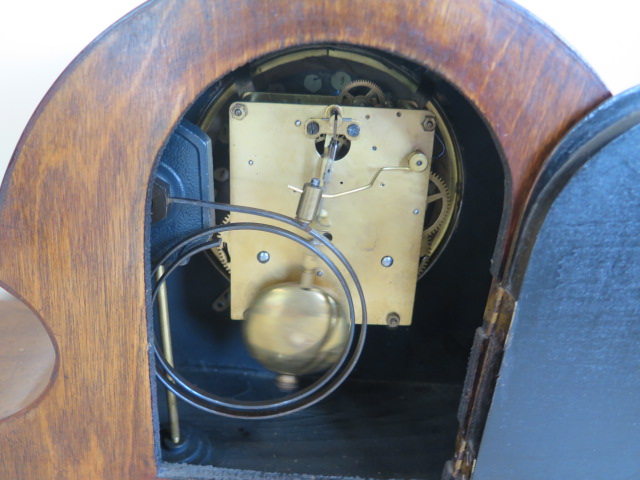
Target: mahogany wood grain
[(73, 202)]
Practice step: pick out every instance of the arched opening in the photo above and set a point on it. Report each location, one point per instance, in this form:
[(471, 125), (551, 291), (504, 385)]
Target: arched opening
[(408, 381)]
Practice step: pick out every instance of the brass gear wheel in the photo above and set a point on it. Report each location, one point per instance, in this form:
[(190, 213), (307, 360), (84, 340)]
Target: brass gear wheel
[(362, 93), (438, 192), (440, 195), (220, 251), (424, 264)]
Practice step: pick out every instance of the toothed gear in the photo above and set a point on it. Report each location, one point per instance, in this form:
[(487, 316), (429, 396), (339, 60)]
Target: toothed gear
[(219, 251), (440, 194), (362, 93), (424, 263)]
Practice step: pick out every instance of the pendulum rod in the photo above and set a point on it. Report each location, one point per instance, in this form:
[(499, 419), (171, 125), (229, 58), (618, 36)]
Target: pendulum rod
[(165, 334)]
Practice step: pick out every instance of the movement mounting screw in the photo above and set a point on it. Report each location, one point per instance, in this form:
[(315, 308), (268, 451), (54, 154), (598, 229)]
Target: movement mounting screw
[(429, 123), (238, 111), (313, 128), (393, 320), (353, 130)]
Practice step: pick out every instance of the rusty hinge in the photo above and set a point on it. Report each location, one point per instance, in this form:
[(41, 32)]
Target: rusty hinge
[(484, 365), (498, 312), (462, 465)]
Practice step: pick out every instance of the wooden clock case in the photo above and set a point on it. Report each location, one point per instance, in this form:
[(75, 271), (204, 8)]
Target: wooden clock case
[(75, 196)]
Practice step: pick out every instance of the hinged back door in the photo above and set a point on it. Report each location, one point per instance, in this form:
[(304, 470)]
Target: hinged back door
[(567, 399)]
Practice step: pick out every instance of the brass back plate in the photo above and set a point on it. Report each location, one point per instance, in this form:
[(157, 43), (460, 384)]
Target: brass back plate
[(270, 150)]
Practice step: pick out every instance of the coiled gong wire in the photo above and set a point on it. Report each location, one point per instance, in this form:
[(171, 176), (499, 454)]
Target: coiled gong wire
[(305, 397)]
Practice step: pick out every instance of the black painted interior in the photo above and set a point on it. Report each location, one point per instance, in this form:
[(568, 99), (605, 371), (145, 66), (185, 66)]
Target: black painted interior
[(395, 417)]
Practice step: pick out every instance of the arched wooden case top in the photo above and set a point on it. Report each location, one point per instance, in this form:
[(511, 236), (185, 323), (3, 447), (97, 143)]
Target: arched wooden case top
[(74, 200)]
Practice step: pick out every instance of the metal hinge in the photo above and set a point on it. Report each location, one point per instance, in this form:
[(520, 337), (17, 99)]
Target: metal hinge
[(499, 311), (462, 465), (484, 363)]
